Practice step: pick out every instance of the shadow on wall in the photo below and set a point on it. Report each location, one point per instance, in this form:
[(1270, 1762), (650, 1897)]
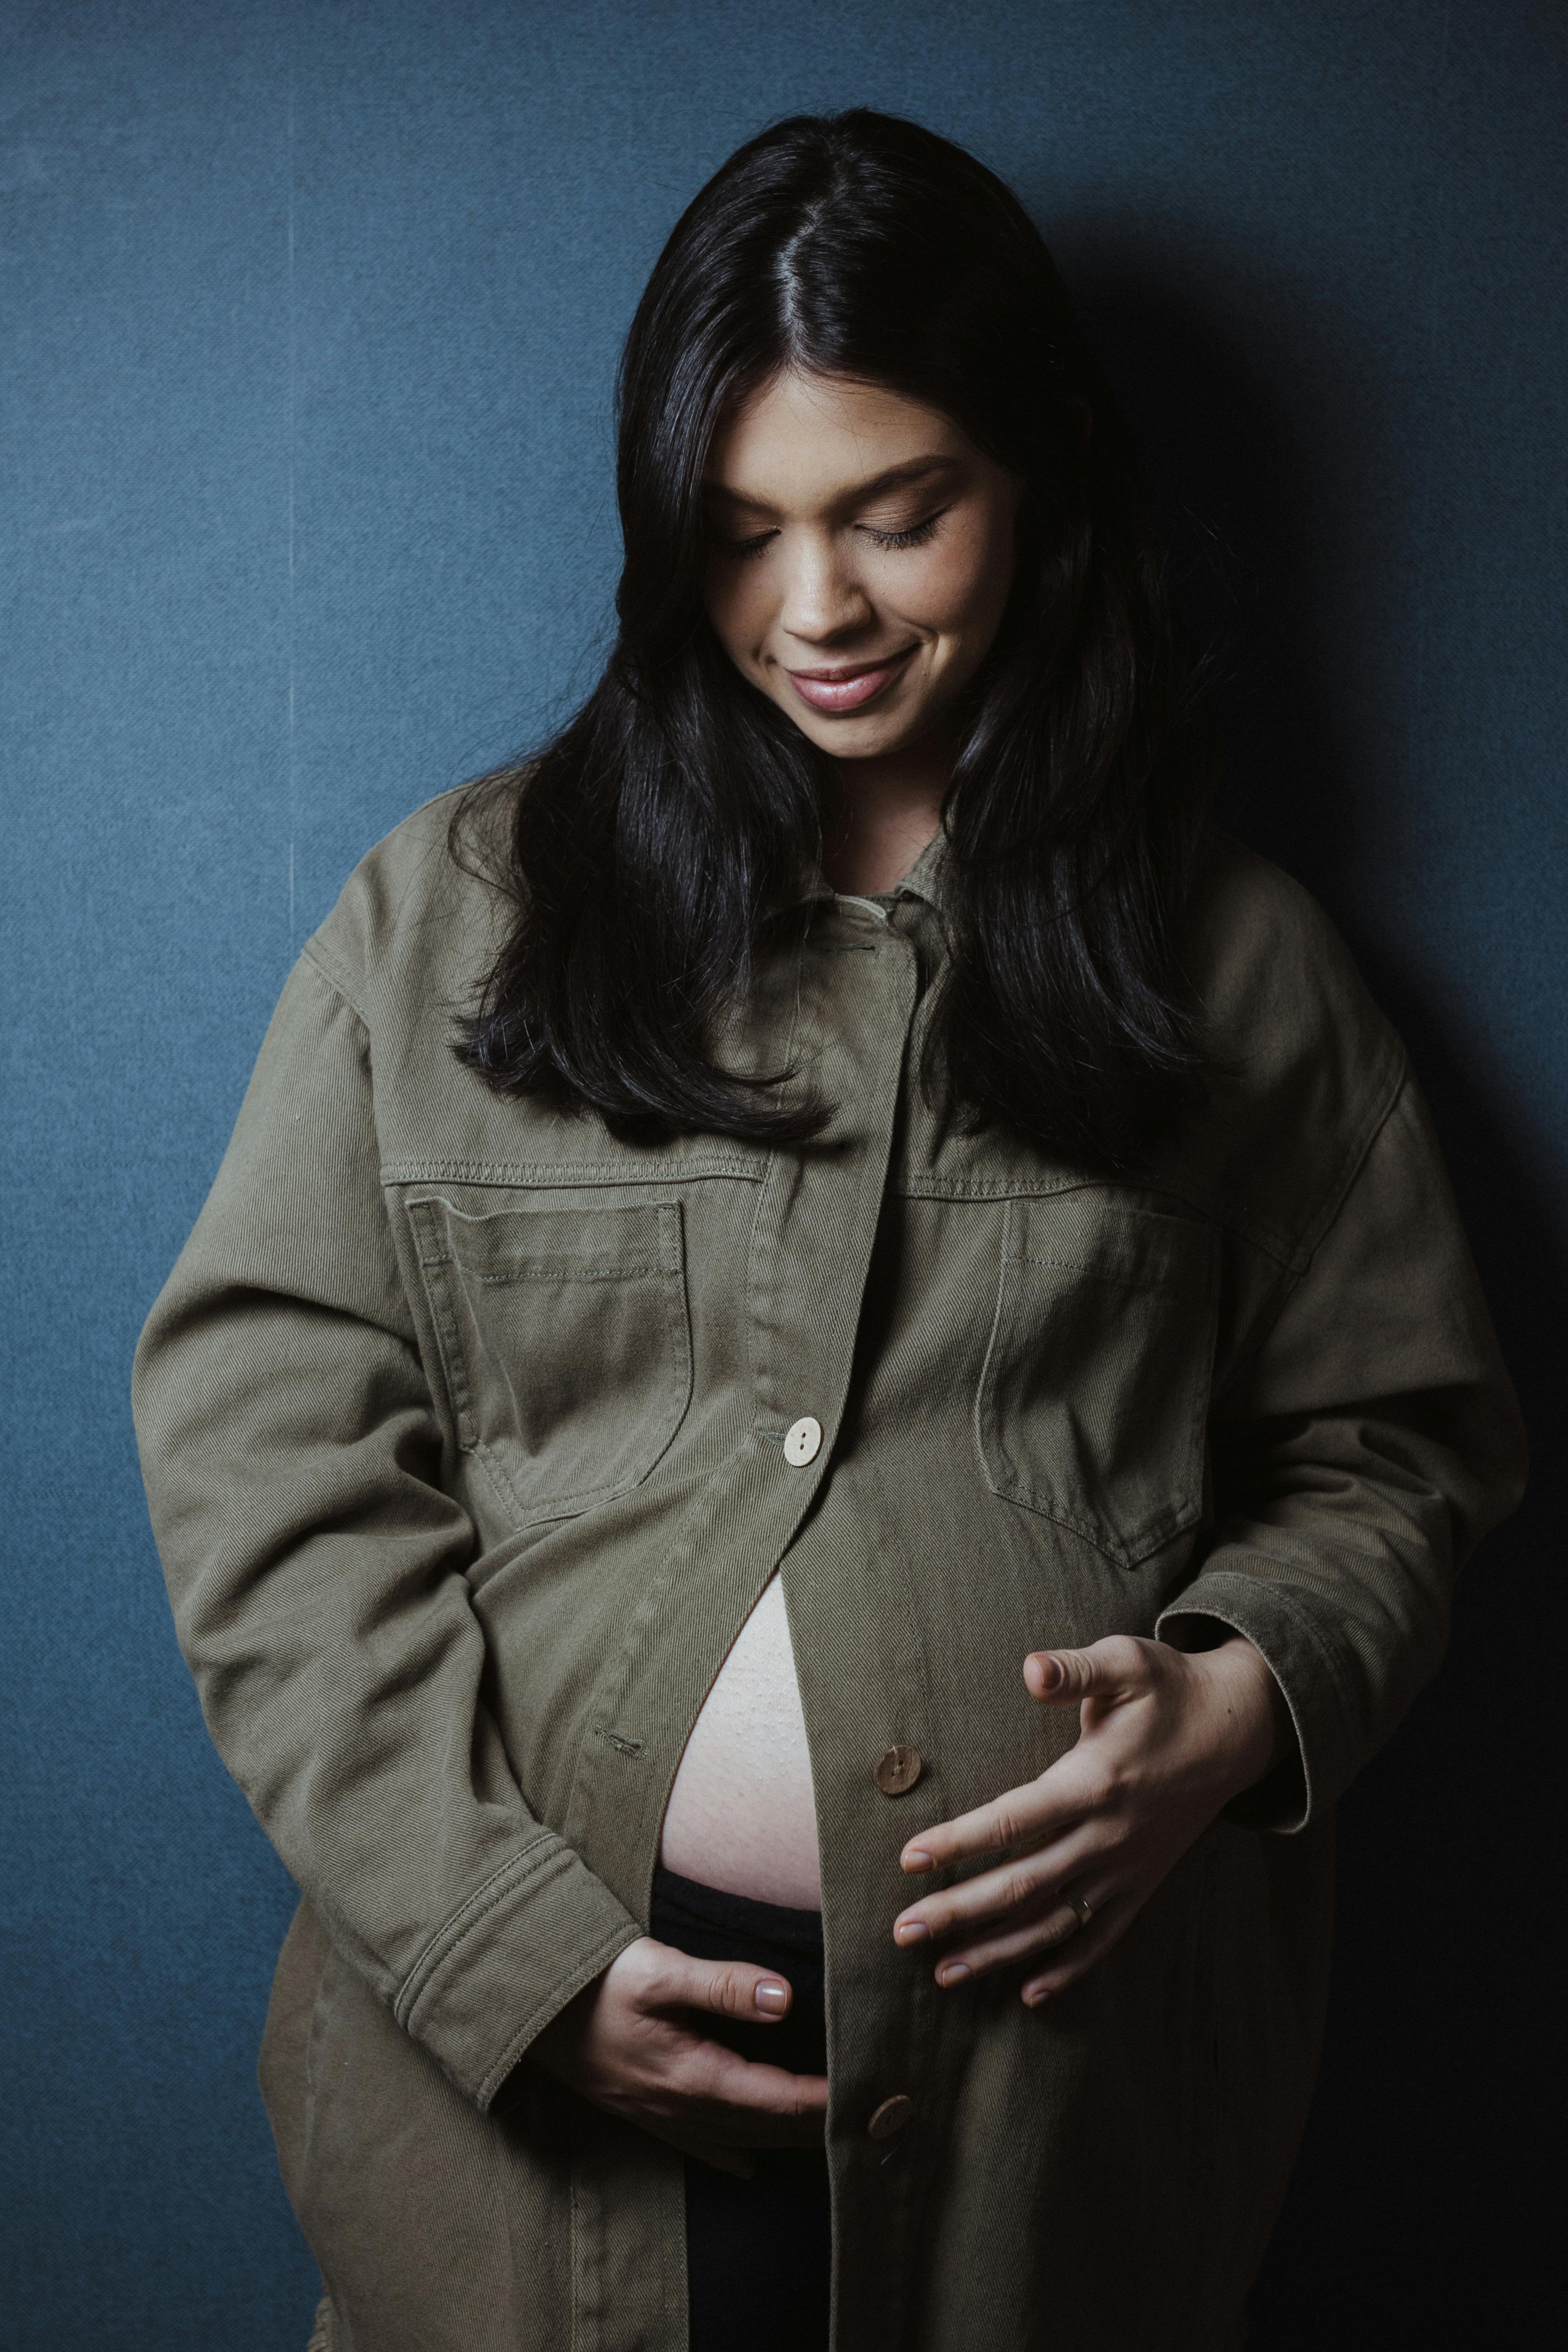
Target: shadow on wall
[(1418, 2213)]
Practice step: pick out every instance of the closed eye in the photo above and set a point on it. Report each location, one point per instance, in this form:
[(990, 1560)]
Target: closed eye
[(745, 548), (916, 535)]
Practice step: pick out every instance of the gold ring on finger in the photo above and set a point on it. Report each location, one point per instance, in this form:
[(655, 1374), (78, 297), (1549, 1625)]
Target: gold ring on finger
[(1085, 1914)]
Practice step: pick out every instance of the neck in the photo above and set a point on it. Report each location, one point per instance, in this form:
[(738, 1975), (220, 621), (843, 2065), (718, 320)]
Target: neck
[(887, 809)]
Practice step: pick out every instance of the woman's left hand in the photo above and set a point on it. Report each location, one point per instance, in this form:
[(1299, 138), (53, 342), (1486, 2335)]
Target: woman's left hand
[(1167, 1738)]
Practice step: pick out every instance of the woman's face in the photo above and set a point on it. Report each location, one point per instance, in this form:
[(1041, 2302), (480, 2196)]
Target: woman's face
[(862, 552)]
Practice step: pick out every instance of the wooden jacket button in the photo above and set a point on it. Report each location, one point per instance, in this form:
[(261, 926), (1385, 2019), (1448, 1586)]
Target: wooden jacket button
[(899, 1769)]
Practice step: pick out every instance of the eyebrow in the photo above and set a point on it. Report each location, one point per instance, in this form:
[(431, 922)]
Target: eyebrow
[(894, 478)]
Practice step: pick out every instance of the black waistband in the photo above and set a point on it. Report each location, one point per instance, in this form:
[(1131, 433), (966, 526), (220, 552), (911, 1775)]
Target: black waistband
[(711, 1911)]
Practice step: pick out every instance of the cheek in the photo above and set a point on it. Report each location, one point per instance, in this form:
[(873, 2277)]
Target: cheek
[(963, 580), (739, 606)]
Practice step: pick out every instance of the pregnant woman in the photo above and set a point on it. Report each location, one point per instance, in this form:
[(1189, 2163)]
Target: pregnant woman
[(828, 1395)]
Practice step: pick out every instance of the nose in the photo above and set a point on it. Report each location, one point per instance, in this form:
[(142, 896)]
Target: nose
[(822, 598)]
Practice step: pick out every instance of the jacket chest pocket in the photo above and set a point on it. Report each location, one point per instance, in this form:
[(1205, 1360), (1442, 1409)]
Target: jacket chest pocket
[(565, 1341), (1094, 1397)]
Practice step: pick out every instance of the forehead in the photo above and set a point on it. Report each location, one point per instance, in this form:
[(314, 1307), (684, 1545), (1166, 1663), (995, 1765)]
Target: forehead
[(803, 440)]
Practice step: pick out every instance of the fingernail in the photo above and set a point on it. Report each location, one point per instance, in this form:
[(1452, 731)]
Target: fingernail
[(771, 1998), (1034, 1995), (917, 1858), (954, 1972), (911, 1931)]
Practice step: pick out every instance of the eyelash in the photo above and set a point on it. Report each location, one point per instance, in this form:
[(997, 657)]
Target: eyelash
[(914, 537), (745, 551)]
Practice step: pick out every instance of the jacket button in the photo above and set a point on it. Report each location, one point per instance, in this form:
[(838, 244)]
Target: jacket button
[(890, 2117), (899, 1769), (804, 1443)]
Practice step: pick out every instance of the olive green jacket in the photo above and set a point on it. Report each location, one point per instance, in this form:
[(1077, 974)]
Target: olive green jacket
[(462, 1422)]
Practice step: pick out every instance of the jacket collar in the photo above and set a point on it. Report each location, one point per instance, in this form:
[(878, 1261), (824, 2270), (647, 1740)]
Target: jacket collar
[(924, 879)]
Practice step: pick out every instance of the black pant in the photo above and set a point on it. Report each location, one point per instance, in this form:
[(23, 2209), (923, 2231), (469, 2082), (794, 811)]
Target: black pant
[(759, 2252)]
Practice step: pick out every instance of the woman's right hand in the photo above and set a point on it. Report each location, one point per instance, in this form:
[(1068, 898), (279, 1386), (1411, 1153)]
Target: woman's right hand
[(631, 2041)]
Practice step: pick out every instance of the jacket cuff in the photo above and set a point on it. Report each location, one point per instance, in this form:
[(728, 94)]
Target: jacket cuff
[(509, 1960), (1303, 1786)]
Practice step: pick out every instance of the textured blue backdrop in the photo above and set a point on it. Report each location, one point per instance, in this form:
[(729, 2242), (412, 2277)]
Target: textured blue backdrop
[(312, 316)]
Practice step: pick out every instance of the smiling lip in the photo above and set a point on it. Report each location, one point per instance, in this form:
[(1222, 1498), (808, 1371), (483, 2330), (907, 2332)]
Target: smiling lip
[(851, 687)]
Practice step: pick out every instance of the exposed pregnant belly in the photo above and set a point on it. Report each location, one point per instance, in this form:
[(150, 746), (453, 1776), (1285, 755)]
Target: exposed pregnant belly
[(740, 1814)]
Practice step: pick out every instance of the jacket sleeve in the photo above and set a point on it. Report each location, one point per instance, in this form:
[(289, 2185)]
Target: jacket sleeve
[(1368, 1441), (316, 1568)]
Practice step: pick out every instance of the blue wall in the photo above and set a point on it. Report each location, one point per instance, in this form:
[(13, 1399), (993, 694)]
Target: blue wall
[(312, 312)]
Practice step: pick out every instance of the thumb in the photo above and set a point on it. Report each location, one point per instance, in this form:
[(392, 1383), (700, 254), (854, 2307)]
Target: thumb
[(735, 1988), (1065, 1676)]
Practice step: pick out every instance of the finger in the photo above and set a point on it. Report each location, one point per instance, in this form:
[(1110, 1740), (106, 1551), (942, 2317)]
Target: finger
[(724, 1988), (1029, 1817), (1104, 1670), (1055, 1926), (701, 2089), (742, 2098), (1024, 1884), (1080, 1953)]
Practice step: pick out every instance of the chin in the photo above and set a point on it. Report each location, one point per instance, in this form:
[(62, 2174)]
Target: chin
[(869, 746), (871, 738)]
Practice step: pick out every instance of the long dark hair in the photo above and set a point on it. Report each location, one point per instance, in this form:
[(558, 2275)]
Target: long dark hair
[(654, 841)]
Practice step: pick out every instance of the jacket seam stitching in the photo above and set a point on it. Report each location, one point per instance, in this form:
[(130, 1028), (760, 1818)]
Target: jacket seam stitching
[(584, 1973), (563, 1174), (313, 954), (1301, 1620), (445, 1958), (1336, 1194), (432, 1958), (1299, 1268)]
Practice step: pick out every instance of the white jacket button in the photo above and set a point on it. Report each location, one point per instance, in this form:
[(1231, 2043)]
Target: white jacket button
[(804, 1443)]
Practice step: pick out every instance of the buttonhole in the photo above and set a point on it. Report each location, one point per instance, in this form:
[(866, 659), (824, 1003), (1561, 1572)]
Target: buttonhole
[(618, 1740)]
